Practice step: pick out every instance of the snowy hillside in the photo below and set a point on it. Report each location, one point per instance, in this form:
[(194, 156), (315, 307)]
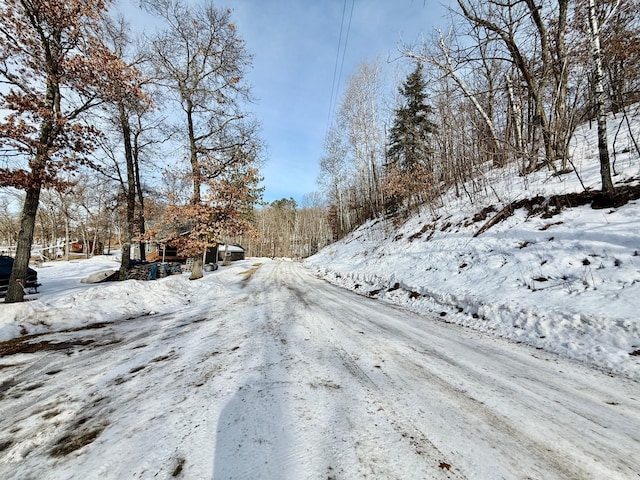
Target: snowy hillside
[(567, 283)]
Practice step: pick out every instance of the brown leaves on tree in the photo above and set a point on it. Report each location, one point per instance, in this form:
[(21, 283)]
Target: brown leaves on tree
[(225, 211), (14, 178), (407, 185), (57, 69)]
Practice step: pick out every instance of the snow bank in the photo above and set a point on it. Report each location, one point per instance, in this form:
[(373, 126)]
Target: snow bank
[(65, 302), (568, 284)]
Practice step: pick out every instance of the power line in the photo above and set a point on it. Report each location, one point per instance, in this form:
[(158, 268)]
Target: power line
[(335, 85), (344, 51), (335, 67)]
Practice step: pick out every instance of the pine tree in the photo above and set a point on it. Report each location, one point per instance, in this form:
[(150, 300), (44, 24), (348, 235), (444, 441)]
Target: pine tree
[(409, 136), (408, 165)]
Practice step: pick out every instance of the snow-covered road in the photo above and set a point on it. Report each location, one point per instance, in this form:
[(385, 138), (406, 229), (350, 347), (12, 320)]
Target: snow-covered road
[(288, 377)]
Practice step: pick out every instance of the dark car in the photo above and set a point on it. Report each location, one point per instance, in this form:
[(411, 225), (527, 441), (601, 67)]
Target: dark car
[(6, 264)]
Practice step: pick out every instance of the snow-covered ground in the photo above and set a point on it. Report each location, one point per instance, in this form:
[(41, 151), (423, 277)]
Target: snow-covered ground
[(263, 371), (568, 284)]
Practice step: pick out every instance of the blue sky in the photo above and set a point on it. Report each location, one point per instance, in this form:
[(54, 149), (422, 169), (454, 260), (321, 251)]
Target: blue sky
[(294, 44)]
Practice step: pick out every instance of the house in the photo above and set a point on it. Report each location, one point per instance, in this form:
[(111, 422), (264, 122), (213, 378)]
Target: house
[(156, 252), (78, 247), (230, 253), (160, 252), (165, 252)]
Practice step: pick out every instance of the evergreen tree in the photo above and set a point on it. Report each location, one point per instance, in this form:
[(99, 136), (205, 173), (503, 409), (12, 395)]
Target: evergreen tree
[(408, 169), (409, 135)]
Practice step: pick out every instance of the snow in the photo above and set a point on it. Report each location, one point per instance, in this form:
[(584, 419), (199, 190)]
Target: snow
[(232, 248), (262, 370), (568, 284)]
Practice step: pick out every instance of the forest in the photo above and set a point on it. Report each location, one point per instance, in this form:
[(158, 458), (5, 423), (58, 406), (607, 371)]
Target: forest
[(112, 137), (504, 86)]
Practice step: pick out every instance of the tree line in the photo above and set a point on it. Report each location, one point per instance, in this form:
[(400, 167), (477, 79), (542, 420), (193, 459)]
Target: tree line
[(504, 85), (283, 228), (149, 131)]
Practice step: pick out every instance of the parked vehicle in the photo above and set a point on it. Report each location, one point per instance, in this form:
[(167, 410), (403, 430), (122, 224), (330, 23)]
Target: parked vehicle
[(6, 264)]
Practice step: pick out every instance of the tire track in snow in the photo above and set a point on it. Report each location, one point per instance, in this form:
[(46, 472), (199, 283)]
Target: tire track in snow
[(539, 414), (415, 438), (439, 465)]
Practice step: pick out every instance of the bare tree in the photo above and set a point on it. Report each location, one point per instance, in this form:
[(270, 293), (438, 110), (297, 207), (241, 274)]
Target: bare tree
[(599, 97), (361, 120), (334, 177), (354, 151), (532, 35), (441, 56), (125, 114), (201, 59), (619, 31)]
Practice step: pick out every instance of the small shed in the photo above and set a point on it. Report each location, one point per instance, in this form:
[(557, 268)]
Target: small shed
[(78, 247), (230, 253)]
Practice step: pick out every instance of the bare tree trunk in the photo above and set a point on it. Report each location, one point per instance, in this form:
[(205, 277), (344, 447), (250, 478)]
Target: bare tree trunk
[(15, 291), (196, 270), (95, 242), (130, 191), (598, 87), (515, 115), (563, 123), (67, 242), (193, 156), (447, 67), (141, 219)]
